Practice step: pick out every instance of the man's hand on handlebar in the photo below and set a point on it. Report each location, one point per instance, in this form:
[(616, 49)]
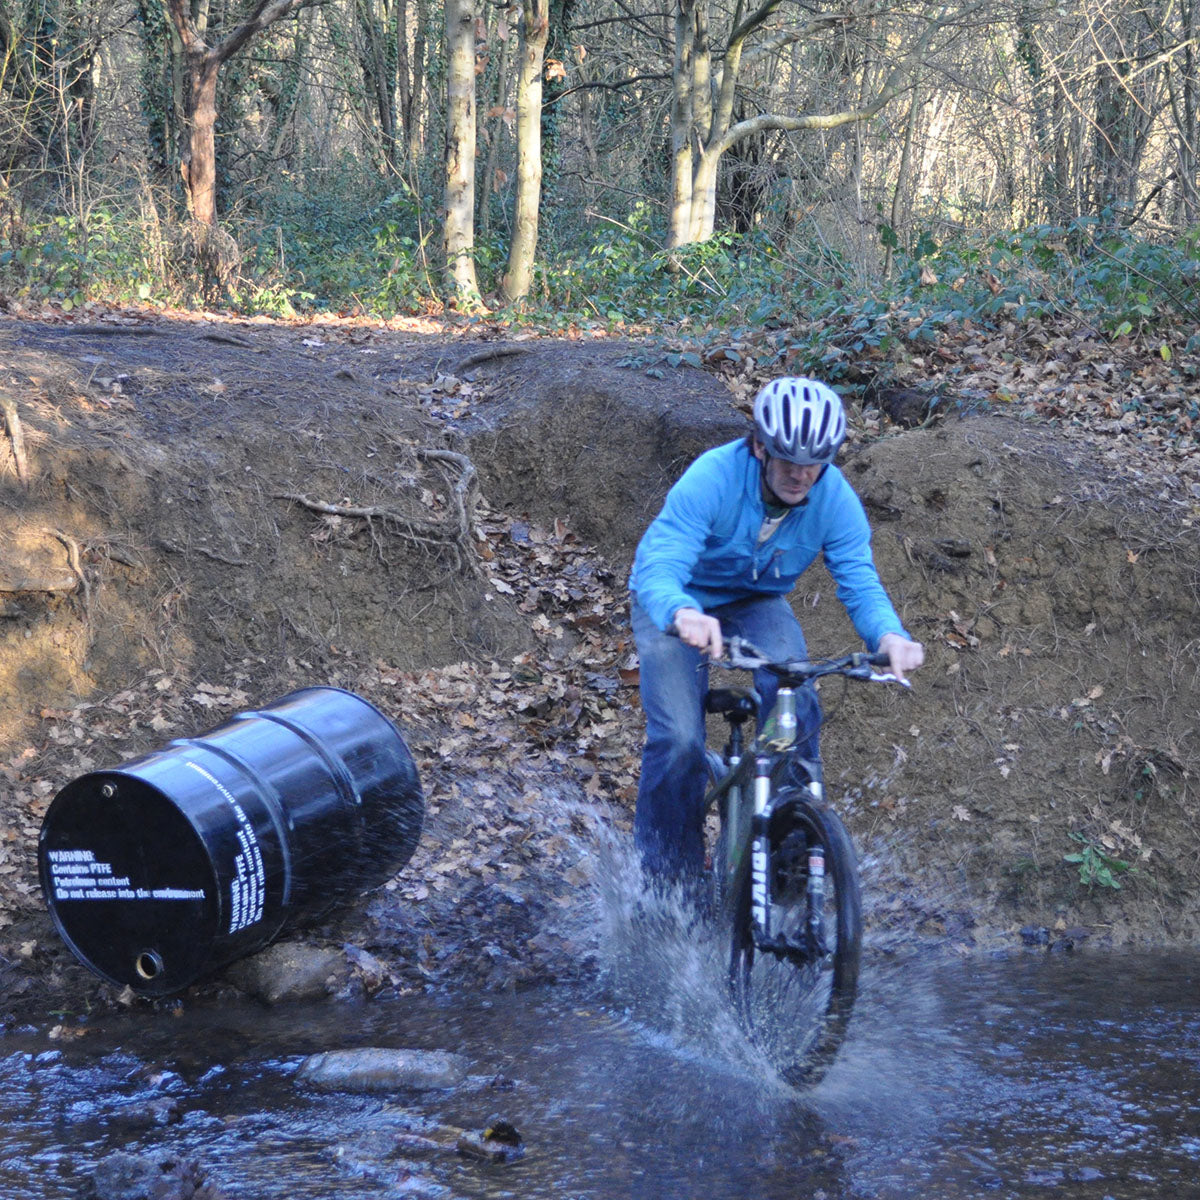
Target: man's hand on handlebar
[(904, 656), (703, 632)]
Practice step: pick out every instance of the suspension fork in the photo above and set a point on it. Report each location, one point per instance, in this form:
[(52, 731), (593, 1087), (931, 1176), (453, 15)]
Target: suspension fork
[(815, 891), (760, 852), (761, 870)]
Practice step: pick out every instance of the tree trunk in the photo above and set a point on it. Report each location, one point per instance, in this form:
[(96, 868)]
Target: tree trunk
[(898, 195), (1183, 91), (410, 64), (201, 66), (682, 118), (378, 77), (198, 164), (535, 31), (1188, 134), (495, 119), (460, 150), (703, 217)]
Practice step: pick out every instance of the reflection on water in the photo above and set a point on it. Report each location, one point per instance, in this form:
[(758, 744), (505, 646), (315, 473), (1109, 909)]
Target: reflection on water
[(1039, 1076)]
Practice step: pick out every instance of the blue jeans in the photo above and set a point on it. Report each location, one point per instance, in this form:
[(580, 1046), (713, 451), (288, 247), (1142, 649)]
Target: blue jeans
[(668, 826)]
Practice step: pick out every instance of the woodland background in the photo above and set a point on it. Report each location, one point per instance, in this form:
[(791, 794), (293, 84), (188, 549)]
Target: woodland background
[(884, 170)]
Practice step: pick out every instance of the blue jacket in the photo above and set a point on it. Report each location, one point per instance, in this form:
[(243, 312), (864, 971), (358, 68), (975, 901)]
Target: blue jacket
[(702, 549)]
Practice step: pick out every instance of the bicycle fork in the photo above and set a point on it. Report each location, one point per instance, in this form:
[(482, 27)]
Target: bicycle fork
[(760, 852), (761, 873)]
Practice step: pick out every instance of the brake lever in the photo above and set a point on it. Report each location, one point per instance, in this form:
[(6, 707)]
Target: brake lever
[(742, 654), (888, 677)]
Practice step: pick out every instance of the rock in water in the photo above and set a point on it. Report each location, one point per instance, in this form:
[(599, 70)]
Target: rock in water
[(124, 1176), (377, 1069)]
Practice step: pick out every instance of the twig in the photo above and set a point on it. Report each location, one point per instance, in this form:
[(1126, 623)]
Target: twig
[(482, 356), (12, 420)]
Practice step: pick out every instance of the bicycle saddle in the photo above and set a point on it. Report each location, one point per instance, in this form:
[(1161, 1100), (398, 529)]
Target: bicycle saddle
[(733, 702)]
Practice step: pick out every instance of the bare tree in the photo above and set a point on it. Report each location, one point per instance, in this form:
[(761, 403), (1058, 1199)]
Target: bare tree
[(535, 30), (460, 151), (48, 54), (703, 128), (202, 64), (410, 51)]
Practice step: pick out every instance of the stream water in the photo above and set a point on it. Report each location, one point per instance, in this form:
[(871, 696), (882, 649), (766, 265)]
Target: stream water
[(1064, 1076)]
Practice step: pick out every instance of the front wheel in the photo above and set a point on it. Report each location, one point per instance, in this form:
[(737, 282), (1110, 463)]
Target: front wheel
[(796, 996)]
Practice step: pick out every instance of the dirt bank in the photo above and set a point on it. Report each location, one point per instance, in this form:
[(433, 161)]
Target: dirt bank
[(201, 516)]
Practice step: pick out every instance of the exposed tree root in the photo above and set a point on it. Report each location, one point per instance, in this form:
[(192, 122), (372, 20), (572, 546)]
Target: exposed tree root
[(75, 562), (482, 356), (455, 532)]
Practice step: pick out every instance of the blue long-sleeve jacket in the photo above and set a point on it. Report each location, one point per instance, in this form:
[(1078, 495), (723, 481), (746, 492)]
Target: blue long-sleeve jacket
[(702, 549)]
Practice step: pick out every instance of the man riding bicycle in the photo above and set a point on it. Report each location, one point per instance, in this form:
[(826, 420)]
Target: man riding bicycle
[(743, 522)]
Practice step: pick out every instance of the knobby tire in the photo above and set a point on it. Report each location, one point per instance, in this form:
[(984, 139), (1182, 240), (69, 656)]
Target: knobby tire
[(796, 1010)]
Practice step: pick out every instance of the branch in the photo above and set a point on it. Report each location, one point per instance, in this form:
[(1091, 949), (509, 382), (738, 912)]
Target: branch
[(768, 121), (12, 420), (606, 86), (76, 565), (788, 36), (172, 548), (456, 531), (896, 83), (732, 67), (364, 511), (265, 13), (753, 21), (474, 360), (466, 490)]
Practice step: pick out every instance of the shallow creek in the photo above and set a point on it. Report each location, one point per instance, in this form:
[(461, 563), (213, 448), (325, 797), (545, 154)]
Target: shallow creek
[(1064, 1076)]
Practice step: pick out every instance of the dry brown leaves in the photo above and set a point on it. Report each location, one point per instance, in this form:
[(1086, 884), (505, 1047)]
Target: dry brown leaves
[(1138, 398), (491, 739)]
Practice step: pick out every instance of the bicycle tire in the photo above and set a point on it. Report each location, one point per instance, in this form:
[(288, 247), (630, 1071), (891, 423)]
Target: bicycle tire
[(797, 1008)]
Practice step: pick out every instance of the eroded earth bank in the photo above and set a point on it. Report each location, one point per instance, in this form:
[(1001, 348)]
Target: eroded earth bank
[(197, 517)]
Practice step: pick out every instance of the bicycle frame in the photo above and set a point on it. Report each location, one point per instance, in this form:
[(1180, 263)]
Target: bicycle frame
[(745, 826), (784, 868), (745, 797)]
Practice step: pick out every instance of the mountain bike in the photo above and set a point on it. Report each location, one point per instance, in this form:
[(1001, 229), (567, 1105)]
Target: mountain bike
[(785, 871)]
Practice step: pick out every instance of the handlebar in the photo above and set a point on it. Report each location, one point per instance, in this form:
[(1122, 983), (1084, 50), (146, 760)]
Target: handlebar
[(742, 655)]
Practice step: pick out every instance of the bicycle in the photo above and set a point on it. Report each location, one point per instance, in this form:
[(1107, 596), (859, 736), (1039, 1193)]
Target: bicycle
[(785, 870)]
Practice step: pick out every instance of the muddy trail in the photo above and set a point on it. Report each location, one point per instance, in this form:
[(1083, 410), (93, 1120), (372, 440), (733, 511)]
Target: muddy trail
[(197, 517)]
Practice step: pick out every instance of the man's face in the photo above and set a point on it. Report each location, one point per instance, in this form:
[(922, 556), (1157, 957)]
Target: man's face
[(789, 481)]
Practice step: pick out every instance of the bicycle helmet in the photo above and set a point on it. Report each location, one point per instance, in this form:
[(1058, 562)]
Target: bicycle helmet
[(799, 420)]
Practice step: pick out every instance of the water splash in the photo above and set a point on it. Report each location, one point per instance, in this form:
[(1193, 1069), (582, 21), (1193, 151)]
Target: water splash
[(665, 962)]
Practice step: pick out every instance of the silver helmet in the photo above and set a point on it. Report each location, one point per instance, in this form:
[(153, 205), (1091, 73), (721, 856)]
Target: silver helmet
[(800, 420)]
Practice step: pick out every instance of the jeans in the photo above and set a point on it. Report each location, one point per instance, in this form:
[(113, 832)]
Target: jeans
[(668, 826)]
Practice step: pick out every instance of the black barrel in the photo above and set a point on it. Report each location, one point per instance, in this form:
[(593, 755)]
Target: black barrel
[(172, 865)]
